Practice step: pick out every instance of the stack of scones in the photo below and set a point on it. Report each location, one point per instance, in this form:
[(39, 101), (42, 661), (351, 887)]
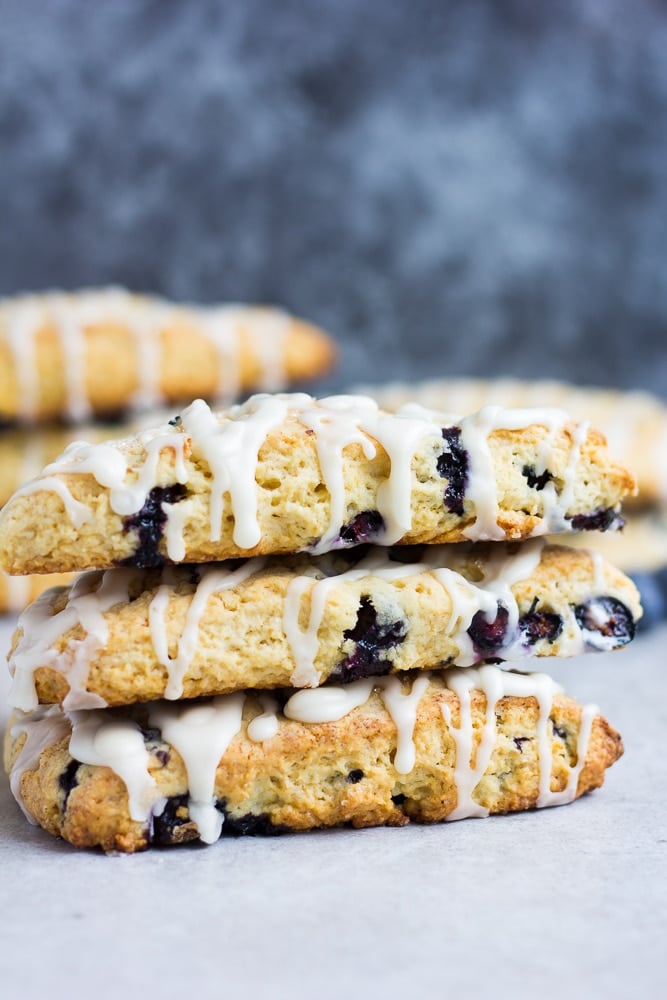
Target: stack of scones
[(301, 614)]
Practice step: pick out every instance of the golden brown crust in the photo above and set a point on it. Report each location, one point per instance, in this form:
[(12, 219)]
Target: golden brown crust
[(189, 363), (293, 502), (319, 775)]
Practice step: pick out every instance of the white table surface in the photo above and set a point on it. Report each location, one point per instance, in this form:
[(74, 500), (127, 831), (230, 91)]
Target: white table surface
[(563, 903)]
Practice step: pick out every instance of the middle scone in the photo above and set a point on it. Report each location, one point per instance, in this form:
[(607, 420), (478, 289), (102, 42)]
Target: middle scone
[(127, 635)]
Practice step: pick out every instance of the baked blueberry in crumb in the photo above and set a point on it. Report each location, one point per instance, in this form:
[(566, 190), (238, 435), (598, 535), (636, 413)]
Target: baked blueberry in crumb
[(372, 641), (536, 626), (250, 825), (399, 799), (453, 466), (600, 520), (149, 524), (606, 622), (562, 734), (355, 776), (68, 780), (519, 741), (365, 527), (173, 825), (489, 636), (535, 481)]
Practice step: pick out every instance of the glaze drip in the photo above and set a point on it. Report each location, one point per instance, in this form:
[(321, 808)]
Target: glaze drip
[(229, 446), (201, 733)]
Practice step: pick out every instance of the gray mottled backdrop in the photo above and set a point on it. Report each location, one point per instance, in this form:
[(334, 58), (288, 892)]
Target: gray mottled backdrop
[(450, 187)]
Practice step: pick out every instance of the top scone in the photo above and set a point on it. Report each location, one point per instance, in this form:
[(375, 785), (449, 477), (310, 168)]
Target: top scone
[(288, 473), (104, 351)]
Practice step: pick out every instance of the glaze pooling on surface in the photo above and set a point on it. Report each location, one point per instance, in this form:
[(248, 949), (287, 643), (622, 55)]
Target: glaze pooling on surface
[(70, 315), (229, 445), (201, 732)]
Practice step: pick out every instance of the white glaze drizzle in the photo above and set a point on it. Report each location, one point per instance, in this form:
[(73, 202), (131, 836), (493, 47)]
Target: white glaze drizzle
[(230, 447), (496, 684), (20, 333), (41, 629), (264, 726), (201, 733), (178, 515), (78, 513), (231, 451), (220, 325), (329, 704), (69, 325), (44, 727), (212, 581), (267, 331), (556, 504), (145, 318), (117, 742), (480, 486), (147, 323)]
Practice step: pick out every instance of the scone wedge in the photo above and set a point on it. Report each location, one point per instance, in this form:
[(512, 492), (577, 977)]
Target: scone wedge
[(425, 748), (286, 473), (124, 636), (96, 352)]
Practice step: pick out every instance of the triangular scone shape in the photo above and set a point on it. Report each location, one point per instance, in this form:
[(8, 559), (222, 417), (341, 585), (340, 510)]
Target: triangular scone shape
[(125, 636), (107, 351), (431, 747), (287, 473)]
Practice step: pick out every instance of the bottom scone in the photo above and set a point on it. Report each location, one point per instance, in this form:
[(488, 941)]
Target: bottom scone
[(426, 747)]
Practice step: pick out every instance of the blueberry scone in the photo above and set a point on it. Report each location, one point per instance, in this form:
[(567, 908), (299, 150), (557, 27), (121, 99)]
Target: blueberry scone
[(100, 351), (286, 473), (124, 636), (634, 423), (424, 748)]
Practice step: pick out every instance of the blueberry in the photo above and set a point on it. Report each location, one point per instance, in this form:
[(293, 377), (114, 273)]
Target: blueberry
[(68, 780), (149, 524), (250, 825), (355, 776), (363, 528), (173, 825), (372, 641), (519, 741), (606, 519), (606, 622), (562, 734), (453, 465), (489, 636), (535, 481), (399, 799), (536, 626)]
